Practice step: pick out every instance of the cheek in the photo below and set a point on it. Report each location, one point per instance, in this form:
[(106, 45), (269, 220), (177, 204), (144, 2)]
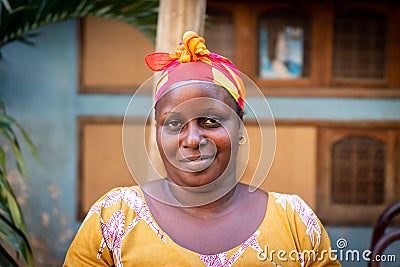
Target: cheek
[(167, 144), (226, 141)]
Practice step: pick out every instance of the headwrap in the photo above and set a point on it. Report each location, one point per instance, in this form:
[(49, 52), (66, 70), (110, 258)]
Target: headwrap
[(192, 61)]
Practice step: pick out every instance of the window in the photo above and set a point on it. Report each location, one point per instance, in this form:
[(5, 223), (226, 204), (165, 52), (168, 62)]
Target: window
[(359, 49), (284, 45), (356, 173), (358, 170)]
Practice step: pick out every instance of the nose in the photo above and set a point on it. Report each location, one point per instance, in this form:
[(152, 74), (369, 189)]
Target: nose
[(191, 135)]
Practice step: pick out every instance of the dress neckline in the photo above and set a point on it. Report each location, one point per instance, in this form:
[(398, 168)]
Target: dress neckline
[(229, 251)]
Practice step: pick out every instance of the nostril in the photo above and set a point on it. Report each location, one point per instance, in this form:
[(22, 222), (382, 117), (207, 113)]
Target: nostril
[(191, 143)]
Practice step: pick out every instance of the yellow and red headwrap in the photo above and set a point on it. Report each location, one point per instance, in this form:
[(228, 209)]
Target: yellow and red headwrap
[(192, 61)]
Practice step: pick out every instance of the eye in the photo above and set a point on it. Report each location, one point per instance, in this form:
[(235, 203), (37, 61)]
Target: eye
[(211, 122), (174, 125)]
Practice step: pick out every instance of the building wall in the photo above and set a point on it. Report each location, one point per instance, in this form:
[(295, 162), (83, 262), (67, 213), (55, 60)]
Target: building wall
[(40, 85)]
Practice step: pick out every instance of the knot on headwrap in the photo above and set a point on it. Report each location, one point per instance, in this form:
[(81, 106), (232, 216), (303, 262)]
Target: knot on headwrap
[(193, 61), (193, 48)]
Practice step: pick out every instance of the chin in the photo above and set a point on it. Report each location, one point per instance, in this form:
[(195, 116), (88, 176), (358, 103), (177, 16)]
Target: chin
[(197, 179), (194, 180)]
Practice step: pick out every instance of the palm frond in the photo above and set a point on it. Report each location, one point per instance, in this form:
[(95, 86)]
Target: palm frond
[(12, 224), (6, 259), (17, 238)]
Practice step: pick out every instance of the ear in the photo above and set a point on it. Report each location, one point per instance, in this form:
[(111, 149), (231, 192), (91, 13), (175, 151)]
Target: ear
[(241, 125)]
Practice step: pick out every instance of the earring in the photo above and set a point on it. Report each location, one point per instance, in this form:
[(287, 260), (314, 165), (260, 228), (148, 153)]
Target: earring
[(242, 140)]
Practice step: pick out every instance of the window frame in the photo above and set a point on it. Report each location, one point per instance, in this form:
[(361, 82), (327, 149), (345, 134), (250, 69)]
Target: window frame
[(361, 214), (373, 83)]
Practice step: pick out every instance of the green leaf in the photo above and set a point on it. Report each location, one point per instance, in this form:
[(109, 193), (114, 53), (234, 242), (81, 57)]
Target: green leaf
[(7, 5), (6, 259), (15, 211), (7, 131), (9, 205), (3, 162), (4, 210), (16, 238), (8, 122), (6, 128), (2, 108), (9, 134), (12, 223), (21, 165)]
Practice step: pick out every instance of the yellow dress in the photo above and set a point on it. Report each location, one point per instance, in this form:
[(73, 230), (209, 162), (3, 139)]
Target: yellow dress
[(119, 230)]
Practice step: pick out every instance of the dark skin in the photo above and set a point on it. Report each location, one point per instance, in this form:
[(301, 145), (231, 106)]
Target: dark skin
[(198, 144)]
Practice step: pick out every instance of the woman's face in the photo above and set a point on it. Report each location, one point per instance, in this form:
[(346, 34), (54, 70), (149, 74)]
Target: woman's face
[(197, 133)]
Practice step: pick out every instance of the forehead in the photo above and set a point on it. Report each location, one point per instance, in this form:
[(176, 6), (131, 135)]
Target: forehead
[(195, 96)]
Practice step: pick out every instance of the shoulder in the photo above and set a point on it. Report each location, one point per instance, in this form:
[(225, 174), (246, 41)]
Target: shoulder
[(298, 213), (117, 198), (292, 204), (119, 194), (292, 201)]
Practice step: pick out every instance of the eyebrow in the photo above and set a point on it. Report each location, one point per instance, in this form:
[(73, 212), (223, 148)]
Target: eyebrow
[(209, 109), (171, 113), (178, 113)]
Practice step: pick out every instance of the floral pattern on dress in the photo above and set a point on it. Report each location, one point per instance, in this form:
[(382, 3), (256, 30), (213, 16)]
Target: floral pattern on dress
[(114, 230), (306, 214), (222, 260)]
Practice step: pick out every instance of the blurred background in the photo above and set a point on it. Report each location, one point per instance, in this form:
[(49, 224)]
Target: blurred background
[(329, 70)]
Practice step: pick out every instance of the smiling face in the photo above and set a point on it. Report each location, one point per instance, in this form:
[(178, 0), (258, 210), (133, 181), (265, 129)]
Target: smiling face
[(197, 133)]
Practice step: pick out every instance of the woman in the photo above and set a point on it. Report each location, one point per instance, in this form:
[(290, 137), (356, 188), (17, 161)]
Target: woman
[(199, 215)]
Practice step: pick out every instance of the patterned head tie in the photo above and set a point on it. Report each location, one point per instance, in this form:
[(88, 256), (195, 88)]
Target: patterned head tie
[(192, 61)]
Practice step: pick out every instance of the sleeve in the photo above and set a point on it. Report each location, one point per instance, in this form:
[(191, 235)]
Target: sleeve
[(325, 256), (88, 247), (314, 242)]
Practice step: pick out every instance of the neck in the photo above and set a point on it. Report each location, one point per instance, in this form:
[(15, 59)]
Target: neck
[(217, 208), (214, 203)]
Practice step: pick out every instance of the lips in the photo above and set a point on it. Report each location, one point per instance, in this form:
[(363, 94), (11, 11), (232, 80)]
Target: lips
[(191, 158), (186, 158), (196, 163)]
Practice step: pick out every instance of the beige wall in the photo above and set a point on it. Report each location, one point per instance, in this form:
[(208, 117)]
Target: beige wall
[(113, 55), (102, 162), (294, 167)]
